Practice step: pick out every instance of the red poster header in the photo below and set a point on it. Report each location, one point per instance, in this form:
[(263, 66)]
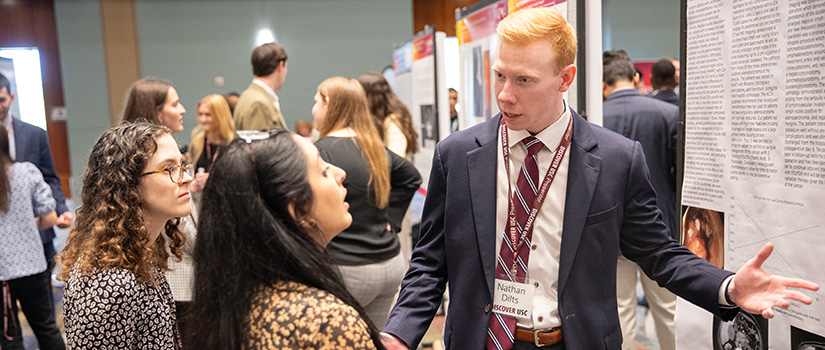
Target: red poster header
[(481, 24), (516, 5), (423, 47)]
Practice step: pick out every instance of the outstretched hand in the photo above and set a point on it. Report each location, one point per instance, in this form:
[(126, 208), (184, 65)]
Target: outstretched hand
[(391, 342), (757, 291)]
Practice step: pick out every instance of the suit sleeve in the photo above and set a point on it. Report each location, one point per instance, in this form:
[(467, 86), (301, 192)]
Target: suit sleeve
[(424, 283), (646, 240), (404, 181), (46, 167)]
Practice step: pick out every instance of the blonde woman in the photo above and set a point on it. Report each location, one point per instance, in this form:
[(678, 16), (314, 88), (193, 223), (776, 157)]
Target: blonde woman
[(215, 129), (379, 187)]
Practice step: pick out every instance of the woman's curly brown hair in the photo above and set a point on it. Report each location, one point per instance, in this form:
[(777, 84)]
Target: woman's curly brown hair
[(111, 231)]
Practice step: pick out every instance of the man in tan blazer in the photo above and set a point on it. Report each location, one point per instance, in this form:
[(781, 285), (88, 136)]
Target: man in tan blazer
[(258, 106)]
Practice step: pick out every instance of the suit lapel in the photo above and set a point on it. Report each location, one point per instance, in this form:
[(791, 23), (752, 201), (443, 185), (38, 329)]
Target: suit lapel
[(482, 170), (583, 173), (19, 140)]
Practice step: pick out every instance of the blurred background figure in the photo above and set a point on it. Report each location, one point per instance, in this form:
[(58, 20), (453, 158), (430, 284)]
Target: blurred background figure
[(392, 119), (259, 106), (232, 100), (663, 78), (379, 187), (28, 143), (453, 111), (653, 124), (26, 206), (155, 101), (676, 66), (264, 281), (215, 129), (134, 189), (303, 128)]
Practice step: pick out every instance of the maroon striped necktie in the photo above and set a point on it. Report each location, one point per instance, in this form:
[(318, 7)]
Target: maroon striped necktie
[(500, 331)]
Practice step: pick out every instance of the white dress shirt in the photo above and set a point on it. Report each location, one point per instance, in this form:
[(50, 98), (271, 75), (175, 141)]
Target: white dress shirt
[(543, 265), (12, 147)]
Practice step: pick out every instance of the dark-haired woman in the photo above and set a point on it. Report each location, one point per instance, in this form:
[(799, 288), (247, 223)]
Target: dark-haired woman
[(24, 195), (379, 188), (116, 293), (264, 282), (391, 117)]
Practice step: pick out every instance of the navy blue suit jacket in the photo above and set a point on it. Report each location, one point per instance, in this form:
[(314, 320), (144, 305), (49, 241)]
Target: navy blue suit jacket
[(32, 145), (653, 124), (610, 209), (667, 95)]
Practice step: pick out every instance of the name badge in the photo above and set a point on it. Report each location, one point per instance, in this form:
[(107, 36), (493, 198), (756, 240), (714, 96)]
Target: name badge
[(513, 298)]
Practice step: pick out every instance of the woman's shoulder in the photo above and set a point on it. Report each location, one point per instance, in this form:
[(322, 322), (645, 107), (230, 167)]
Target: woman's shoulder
[(113, 280), (26, 169), (310, 317), (297, 296)]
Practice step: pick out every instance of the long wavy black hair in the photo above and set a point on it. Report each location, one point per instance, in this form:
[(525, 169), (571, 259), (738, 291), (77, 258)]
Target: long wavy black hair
[(247, 239)]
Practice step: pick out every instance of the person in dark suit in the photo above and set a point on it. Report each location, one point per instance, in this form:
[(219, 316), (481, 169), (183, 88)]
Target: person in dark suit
[(29, 143), (653, 124), (599, 205), (663, 79)]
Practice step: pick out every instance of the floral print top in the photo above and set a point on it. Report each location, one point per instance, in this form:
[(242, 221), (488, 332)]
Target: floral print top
[(291, 315), (110, 309)]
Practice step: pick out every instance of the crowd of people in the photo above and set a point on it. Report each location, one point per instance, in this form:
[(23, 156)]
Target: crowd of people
[(255, 237)]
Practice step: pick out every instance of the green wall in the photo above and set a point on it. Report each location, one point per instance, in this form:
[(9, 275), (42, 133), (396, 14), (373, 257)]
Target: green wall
[(647, 29), (189, 42), (84, 80)]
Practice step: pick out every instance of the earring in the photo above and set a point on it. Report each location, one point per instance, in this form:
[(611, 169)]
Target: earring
[(310, 223)]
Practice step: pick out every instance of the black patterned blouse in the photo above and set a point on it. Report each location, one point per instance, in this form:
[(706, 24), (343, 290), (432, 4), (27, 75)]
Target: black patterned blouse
[(110, 309), (294, 316)]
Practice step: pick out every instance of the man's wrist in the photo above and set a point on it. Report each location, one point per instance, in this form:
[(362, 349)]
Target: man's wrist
[(724, 293)]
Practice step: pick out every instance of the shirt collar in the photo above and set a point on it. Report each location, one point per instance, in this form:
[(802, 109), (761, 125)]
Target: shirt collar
[(266, 88), (7, 123), (551, 136)]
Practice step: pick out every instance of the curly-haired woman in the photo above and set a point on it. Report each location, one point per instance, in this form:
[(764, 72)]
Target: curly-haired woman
[(116, 294)]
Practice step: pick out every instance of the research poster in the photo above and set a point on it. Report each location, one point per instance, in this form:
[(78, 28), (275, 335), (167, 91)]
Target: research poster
[(755, 160), (477, 40)]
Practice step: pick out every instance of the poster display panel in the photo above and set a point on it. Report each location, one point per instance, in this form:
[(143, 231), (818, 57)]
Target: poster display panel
[(755, 159), (477, 40), (429, 108)]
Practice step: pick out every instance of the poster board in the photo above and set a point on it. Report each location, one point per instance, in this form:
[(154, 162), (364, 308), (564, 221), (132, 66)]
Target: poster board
[(478, 41), (430, 106), (754, 159)]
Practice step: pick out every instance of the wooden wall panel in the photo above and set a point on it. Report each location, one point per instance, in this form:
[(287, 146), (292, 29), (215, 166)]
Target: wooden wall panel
[(31, 23), (438, 13), (120, 49)]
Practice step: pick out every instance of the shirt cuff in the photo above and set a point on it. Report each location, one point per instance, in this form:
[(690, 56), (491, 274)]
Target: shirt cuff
[(724, 298)]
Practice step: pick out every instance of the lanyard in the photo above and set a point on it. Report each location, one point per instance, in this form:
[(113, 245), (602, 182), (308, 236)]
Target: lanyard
[(209, 152), (512, 226)]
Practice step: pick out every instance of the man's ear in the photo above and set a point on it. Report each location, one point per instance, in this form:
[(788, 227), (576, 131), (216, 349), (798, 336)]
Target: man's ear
[(567, 75), (281, 65)]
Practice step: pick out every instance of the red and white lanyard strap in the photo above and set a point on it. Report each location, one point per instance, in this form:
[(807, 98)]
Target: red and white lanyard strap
[(512, 226)]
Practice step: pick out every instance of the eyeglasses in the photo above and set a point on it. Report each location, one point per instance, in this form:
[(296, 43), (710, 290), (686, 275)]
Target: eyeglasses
[(175, 171)]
